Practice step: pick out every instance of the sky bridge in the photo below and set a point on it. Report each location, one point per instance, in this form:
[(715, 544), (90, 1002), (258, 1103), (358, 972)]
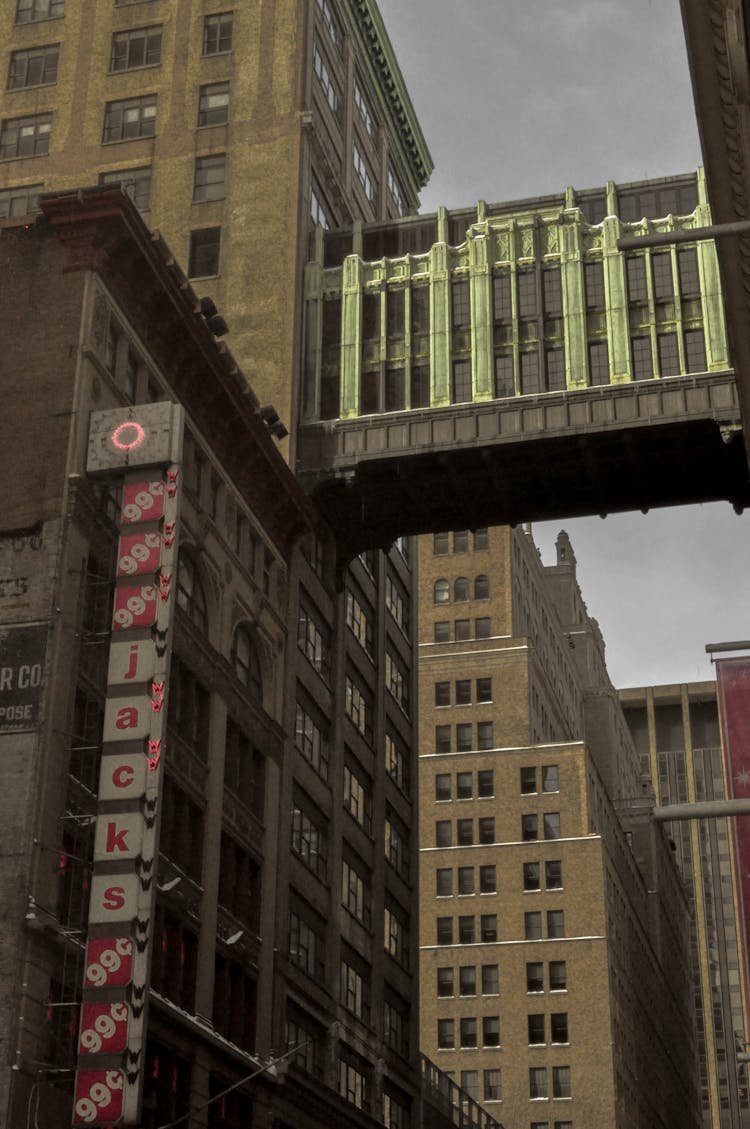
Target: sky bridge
[(513, 363)]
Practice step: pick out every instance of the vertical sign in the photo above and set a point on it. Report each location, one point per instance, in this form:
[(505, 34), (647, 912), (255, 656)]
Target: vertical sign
[(142, 445), (733, 685)]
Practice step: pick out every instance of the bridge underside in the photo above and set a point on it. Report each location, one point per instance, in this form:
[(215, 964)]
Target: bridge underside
[(595, 451)]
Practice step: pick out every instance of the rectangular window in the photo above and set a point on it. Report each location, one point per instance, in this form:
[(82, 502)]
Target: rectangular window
[(443, 833), (535, 976), (466, 879), (501, 298), (504, 376), (637, 289), (364, 175), (466, 930), (536, 1028), (135, 182), (446, 1038), (444, 882), (532, 926), (397, 679), (554, 360), (355, 992), (669, 357), (482, 627), (464, 786), (594, 281), (313, 639), (307, 945), (550, 778), (358, 798), (217, 33), (204, 254), (311, 738), (325, 79), (643, 364), (462, 630), (461, 305), (661, 265), (396, 194), (493, 1090), (129, 119), (537, 1082), (530, 383), (329, 19), (470, 1083), (555, 923), (463, 692), (442, 738), (468, 1031), (463, 737), (137, 47), (552, 285), (561, 1082), (359, 708), (462, 389), (490, 980), (396, 762), (364, 109), (488, 927), (356, 894), (553, 874), (464, 832), (529, 827), (558, 976), (527, 304), (320, 213), (467, 980), (484, 690), (487, 879), (598, 363), (309, 840), (485, 735), (420, 386), (531, 879), (396, 936), (695, 350), (213, 104), (19, 201), (486, 829), (359, 619), (552, 825), (209, 178), (29, 11), (443, 786), (25, 137), (397, 602), (35, 67), (353, 1084), (396, 843), (485, 782), (445, 931), (687, 268), (559, 1027)]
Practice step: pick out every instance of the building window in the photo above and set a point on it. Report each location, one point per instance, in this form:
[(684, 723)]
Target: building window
[(687, 269), (311, 740), (529, 827), (246, 662), (135, 182), (487, 879), (661, 265), (355, 893), (637, 288), (396, 936), (555, 923), (217, 33), (445, 932), (536, 1028), (485, 735), (462, 387), (462, 630), (396, 763), (485, 782), (470, 1083), (554, 363), (309, 840), (550, 778), (559, 1028), (551, 825), (396, 843), (444, 882), (488, 927), (364, 110), (446, 1038), (464, 786), (443, 786), (190, 594), (482, 627), (209, 179), (359, 708), (396, 193), (359, 619), (594, 282), (463, 692), (558, 977), (504, 378), (313, 640), (553, 874), (442, 631), (530, 382), (362, 169), (442, 738), (25, 137), (669, 356), (443, 833), (537, 1082), (329, 19), (598, 363), (397, 602), (535, 976), (481, 587), (463, 738), (484, 690), (35, 67), (466, 929), (528, 780), (561, 1082), (205, 245), (460, 588), (129, 119), (464, 832), (695, 350), (138, 47), (532, 926), (320, 213), (19, 201), (461, 304), (531, 878), (643, 364), (441, 592), (486, 829), (490, 980), (327, 84), (353, 1084), (466, 880), (396, 1030), (358, 798), (490, 1031), (307, 946), (213, 104), (493, 1090), (29, 11), (467, 980), (397, 680), (440, 544), (468, 1031)]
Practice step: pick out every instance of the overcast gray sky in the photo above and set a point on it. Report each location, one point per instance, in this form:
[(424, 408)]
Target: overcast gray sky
[(524, 97)]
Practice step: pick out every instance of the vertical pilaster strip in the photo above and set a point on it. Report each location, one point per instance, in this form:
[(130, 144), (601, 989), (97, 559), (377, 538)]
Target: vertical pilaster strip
[(480, 283), (574, 306), (351, 336), (440, 327), (616, 299)]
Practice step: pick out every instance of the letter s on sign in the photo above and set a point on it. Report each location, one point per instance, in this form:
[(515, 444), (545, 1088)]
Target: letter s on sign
[(114, 897)]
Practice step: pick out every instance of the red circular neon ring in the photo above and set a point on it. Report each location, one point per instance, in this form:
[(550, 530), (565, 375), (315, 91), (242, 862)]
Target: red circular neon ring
[(124, 445)]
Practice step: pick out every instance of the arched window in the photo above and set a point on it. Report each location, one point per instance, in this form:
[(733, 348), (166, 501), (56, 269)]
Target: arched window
[(190, 595), (481, 587), (460, 588), (442, 592), (246, 662)]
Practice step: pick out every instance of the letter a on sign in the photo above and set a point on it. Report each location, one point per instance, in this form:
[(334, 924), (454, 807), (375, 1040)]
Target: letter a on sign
[(127, 718)]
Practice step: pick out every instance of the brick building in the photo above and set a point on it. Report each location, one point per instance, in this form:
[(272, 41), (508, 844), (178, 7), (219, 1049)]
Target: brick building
[(554, 948)]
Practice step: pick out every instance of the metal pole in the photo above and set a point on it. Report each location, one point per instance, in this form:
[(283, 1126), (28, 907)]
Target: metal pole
[(706, 809), (695, 234)]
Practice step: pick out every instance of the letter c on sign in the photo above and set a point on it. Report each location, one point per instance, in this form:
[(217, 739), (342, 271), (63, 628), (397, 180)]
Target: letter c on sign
[(123, 776)]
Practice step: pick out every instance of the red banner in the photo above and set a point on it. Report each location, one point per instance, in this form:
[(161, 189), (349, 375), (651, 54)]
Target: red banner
[(733, 685)]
